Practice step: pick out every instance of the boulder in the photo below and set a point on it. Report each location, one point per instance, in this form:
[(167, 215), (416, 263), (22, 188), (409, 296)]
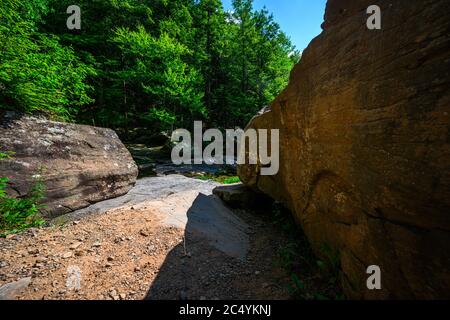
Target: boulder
[(11, 290), (242, 197), (79, 165), (365, 146)]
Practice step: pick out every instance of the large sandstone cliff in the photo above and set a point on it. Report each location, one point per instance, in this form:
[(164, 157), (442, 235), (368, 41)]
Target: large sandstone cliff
[(365, 145), (80, 165)]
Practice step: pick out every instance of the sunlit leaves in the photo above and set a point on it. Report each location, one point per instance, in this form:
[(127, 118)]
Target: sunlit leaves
[(37, 73), (156, 64)]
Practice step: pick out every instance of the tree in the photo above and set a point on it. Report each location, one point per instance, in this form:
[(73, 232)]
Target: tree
[(37, 73), (155, 67), (210, 50), (137, 63), (261, 59)]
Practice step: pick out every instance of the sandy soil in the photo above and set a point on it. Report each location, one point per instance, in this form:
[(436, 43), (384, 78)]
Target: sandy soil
[(128, 254)]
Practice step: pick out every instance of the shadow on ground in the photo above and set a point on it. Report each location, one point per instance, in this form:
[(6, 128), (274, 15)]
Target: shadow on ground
[(222, 257)]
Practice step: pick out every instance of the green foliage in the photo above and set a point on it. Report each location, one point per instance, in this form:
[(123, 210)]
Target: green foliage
[(310, 278), (282, 219), (37, 73), (220, 178), (287, 255), (21, 213), (3, 183), (231, 180), (157, 64), (163, 64), (261, 57), (17, 214), (297, 287), (6, 155), (330, 264)]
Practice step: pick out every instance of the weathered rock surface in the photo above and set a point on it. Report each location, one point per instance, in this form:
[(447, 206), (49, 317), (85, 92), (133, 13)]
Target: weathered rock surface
[(79, 165), (365, 146), (11, 290)]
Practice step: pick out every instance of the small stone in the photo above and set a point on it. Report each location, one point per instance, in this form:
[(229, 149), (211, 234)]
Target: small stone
[(33, 232), (257, 273), (33, 251), (109, 265), (144, 233), (137, 269), (76, 223), (97, 245), (123, 296), (76, 245), (113, 294), (67, 255), (79, 253), (110, 259), (41, 259), (10, 291)]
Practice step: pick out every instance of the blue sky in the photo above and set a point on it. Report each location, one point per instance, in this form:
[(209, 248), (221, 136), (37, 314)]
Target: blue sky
[(299, 19)]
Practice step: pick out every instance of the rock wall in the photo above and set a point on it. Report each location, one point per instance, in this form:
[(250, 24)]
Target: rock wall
[(79, 165), (365, 146)]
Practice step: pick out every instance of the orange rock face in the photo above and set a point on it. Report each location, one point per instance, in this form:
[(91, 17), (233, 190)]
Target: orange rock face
[(365, 146)]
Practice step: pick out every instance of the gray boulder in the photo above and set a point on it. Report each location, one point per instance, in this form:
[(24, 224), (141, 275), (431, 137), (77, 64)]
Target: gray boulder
[(80, 165)]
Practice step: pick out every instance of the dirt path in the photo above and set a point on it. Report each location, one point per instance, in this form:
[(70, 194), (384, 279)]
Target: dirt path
[(147, 250)]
